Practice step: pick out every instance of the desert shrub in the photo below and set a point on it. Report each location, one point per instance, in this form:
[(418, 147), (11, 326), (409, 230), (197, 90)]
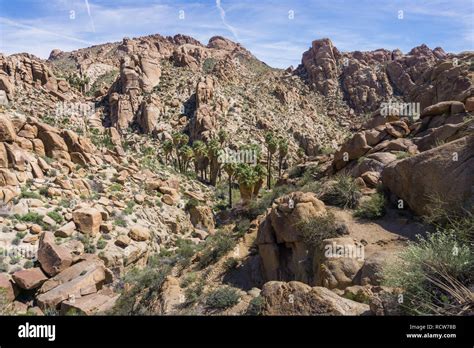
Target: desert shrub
[(316, 229), (258, 207), (115, 187), (216, 246), (402, 155), (312, 186), (188, 279), (129, 209), (223, 298), (119, 221), (208, 65), (450, 216), (256, 306), (101, 243), (343, 193), (143, 292), (242, 227), (435, 273), (88, 242), (25, 193), (194, 292), (21, 234), (58, 218), (185, 251), (231, 263), (3, 267), (373, 208), (192, 203), (31, 217), (28, 264)]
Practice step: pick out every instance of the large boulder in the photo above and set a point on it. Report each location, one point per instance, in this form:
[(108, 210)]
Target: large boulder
[(202, 217), (7, 131), (279, 240), (295, 298), (87, 220), (52, 258), (445, 172), (338, 262), (81, 279), (29, 278)]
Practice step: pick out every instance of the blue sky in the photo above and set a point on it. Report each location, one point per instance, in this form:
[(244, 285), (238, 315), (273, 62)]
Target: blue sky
[(265, 27)]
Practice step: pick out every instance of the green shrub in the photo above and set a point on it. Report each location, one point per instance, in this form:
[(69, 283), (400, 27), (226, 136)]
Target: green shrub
[(258, 207), (30, 217), (129, 209), (343, 193), (194, 292), (120, 222), (256, 306), (316, 229), (21, 235), (88, 242), (101, 243), (216, 246), (28, 264), (231, 263), (223, 298), (373, 208), (116, 187), (188, 279), (57, 217), (25, 193), (143, 292), (435, 273)]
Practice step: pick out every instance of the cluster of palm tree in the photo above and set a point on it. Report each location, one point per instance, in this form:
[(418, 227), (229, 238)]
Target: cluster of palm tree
[(274, 144), (205, 157)]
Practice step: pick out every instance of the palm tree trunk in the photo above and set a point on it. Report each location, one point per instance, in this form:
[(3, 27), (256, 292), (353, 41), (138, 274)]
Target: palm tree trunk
[(230, 191)]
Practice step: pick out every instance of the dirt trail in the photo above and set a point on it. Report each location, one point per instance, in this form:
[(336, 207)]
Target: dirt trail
[(390, 233)]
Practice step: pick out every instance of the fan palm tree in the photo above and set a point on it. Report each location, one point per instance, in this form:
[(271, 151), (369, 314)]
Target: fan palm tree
[(213, 148), (230, 169), (272, 146), (186, 153), (261, 173), (247, 178), (200, 157), (282, 153), (168, 149)]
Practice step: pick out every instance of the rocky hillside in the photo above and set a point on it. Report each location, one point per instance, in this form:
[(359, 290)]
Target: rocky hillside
[(158, 175)]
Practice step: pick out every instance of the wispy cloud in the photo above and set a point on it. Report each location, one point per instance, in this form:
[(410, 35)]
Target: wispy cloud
[(89, 14), (227, 25)]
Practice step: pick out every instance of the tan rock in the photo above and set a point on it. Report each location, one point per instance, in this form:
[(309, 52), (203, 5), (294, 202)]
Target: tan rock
[(29, 278), (66, 230), (87, 220), (139, 233), (53, 258), (81, 279), (445, 172), (123, 241), (93, 304), (295, 298), (7, 131)]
